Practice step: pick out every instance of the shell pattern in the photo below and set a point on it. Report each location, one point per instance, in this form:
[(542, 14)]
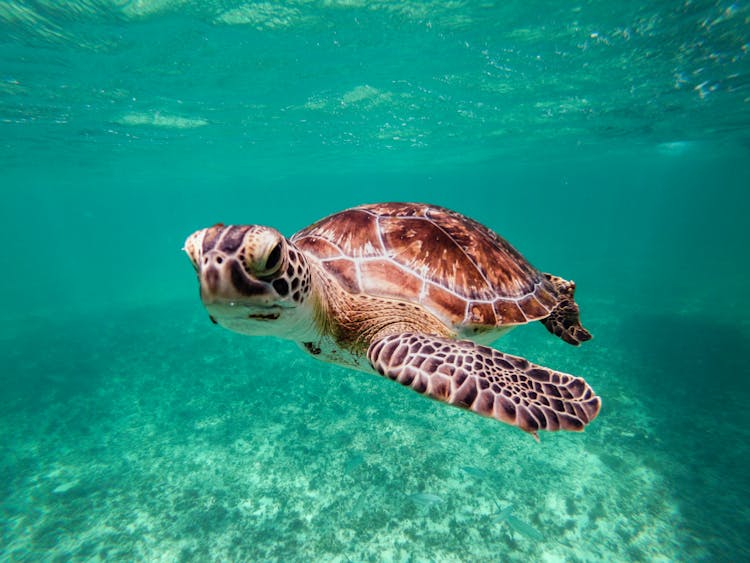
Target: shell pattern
[(456, 268)]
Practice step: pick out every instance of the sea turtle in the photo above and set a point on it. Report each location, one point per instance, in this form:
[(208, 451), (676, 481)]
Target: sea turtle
[(411, 291)]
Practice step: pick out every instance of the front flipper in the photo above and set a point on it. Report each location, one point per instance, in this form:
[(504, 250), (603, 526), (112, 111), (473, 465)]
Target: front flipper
[(486, 381)]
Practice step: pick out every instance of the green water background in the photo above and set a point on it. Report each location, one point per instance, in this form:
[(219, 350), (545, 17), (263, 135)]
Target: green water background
[(609, 144)]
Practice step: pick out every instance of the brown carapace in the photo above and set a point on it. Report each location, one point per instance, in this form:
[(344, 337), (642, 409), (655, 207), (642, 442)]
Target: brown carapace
[(411, 291)]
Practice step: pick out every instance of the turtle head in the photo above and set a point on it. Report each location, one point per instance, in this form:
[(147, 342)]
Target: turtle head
[(252, 279)]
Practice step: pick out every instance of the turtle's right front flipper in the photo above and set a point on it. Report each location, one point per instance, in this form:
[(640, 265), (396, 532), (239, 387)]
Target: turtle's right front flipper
[(486, 381)]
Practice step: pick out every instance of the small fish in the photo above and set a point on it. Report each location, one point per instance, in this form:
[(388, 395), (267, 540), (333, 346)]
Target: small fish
[(474, 471), (526, 529), (517, 524), (504, 513), (425, 499), (65, 487)]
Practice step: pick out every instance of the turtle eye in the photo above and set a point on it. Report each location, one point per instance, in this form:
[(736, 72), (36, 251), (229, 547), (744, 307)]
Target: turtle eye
[(273, 261)]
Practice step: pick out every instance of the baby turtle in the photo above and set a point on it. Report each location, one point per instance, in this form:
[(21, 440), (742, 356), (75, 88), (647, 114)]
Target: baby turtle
[(411, 291)]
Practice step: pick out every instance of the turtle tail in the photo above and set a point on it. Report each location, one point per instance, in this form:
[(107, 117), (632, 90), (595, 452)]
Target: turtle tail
[(564, 320)]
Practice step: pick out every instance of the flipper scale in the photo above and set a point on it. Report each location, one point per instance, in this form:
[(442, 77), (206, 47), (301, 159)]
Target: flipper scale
[(486, 381)]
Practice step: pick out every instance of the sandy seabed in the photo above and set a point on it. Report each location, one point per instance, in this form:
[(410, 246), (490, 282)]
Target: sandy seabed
[(175, 440)]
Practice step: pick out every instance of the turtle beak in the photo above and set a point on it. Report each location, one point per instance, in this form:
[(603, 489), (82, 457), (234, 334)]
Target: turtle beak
[(192, 247)]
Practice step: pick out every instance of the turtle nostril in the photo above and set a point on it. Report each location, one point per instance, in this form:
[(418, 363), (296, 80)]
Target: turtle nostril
[(219, 260)]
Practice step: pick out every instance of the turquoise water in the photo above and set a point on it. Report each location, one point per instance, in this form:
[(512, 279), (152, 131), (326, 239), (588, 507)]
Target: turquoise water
[(609, 142)]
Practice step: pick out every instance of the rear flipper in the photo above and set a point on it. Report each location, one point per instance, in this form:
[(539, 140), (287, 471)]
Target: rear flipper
[(564, 320), (488, 382)]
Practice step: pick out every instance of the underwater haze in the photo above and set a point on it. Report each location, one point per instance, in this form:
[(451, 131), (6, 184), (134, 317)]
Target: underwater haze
[(609, 142)]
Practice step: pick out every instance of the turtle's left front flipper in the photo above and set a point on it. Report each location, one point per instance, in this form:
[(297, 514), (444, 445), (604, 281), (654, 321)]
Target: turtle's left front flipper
[(488, 382)]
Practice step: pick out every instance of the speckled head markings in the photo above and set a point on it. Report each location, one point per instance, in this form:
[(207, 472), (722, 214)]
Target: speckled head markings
[(252, 280), (411, 291)]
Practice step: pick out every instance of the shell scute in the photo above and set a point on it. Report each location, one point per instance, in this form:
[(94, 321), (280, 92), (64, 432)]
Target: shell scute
[(425, 248), (345, 271), (508, 312), (322, 248), (532, 308), (439, 298), (353, 232), (384, 276), (454, 266), (545, 296), (481, 314)]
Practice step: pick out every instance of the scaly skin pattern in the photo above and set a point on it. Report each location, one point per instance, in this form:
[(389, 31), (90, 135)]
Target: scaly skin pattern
[(486, 381)]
